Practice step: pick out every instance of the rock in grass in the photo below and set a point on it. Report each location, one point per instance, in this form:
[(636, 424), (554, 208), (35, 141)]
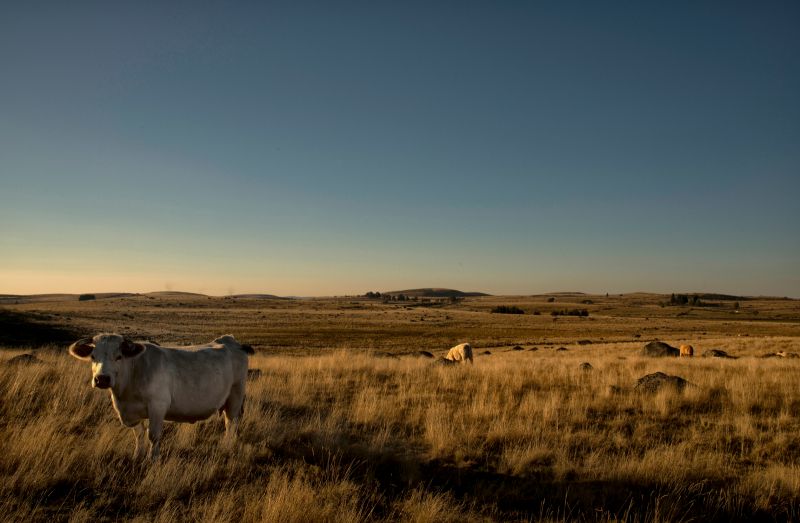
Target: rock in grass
[(586, 366), (780, 354), (24, 359), (658, 380), (425, 354), (659, 349), (718, 353)]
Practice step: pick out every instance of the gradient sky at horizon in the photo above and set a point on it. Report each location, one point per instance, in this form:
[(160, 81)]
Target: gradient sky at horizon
[(334, 148)]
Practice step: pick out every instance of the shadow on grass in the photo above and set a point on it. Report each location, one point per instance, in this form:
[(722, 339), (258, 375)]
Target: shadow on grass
[(19, 329), (540, 494)]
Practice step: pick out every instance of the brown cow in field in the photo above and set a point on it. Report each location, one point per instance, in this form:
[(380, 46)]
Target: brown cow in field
[(686, 350), (460, 353)]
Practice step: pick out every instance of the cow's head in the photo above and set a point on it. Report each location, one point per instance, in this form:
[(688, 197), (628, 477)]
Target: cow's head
[(108, 354)]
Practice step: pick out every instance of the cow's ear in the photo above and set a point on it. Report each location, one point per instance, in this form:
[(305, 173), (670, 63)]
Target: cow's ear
[(82, 348), (131, 349)]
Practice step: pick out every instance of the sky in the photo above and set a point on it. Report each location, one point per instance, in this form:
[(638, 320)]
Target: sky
[(300, 148)]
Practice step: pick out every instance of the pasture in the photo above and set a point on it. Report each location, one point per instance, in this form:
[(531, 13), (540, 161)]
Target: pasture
[(348, 422)]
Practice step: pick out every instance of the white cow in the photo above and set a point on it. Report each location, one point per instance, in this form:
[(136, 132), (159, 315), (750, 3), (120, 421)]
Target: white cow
[(154, 383), (461, 353)]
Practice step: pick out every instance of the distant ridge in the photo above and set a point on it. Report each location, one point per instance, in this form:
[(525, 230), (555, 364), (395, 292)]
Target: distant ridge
[(258, 296), (34, 298), (173, 293), (436, 293)]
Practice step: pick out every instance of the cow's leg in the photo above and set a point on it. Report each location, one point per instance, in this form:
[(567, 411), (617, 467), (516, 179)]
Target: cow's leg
[(156, 415), (234, 406), (139, 435)]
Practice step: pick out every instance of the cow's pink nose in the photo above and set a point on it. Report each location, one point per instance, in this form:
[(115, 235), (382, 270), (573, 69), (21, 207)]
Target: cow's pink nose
[(102, 382)]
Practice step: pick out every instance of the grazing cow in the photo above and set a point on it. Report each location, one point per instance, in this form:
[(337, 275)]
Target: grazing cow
[(154, 383), (460, 353), (686, 351)]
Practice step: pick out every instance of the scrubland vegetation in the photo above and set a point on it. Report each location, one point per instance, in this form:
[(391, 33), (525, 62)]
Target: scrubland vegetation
[(349, 434)]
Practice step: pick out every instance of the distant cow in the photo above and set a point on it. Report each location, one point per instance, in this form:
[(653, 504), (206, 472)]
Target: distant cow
[(154, 383), (686, 351), (460, 353)]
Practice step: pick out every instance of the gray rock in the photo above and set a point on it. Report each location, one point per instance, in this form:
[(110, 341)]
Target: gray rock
[(718, 353), (658, 380), (659, 349), (24, 359)]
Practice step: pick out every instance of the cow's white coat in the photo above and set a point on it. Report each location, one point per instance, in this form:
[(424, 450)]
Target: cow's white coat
[(154, 383)]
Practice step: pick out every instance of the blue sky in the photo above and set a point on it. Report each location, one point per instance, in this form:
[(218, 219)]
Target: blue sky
[(328, 148)]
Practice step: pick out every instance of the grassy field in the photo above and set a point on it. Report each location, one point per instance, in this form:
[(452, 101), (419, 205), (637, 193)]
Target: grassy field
[(348, 423)]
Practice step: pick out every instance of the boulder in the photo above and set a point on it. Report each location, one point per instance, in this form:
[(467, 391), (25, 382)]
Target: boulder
[(718, 353), (24, 359), (781, 354), (658, 380), (659, 349), (518, 348), (586, 366)]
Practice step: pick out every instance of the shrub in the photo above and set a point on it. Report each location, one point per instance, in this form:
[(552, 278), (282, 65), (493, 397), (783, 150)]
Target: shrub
[(570, 312), (507, 309), (86, 297)]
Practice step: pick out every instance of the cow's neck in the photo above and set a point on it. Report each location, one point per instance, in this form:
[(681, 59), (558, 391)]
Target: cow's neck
[(120, 387)]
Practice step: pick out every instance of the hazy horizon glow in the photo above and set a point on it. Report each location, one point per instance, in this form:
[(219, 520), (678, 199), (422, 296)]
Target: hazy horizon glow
[(507, 148)]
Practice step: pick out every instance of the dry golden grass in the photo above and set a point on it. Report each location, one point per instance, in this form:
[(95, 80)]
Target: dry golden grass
[(362, 435)]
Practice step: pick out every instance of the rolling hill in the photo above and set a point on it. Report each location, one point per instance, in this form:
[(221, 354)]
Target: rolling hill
[(435, 293)]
